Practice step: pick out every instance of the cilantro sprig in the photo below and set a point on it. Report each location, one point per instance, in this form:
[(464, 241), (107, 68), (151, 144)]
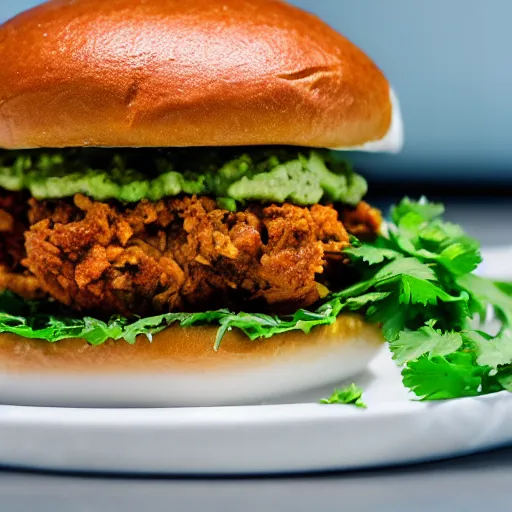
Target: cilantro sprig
[(417, 281), (349, 395)]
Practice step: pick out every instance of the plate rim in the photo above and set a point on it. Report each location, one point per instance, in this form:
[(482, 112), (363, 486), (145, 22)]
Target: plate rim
[(237, 413)]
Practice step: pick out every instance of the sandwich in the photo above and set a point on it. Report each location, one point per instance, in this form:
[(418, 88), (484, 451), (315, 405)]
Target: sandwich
[(176, 203)]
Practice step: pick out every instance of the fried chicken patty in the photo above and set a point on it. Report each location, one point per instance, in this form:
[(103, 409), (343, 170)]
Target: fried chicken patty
[(178, 254)]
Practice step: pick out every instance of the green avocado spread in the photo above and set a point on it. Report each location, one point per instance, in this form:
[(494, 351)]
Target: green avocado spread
[(274, 175)]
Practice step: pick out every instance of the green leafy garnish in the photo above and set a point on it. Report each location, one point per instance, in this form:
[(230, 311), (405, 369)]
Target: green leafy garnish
[(43, 320), (505, 287), (435, 378), (350, 395), (411, 345), (418, 282)]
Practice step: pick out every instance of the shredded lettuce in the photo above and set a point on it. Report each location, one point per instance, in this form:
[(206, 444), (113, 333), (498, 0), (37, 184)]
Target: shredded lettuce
[(47, 321)]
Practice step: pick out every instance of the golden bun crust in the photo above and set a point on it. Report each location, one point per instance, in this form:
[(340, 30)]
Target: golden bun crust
[(188, 350), (130, 73)]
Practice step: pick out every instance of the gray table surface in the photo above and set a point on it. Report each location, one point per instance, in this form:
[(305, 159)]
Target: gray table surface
[(466, 484)]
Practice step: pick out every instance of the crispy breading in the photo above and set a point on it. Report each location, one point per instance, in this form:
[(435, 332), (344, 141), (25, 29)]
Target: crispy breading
[(175, 254), (363, 221), (182, 254), (13, 223), (23, 284)]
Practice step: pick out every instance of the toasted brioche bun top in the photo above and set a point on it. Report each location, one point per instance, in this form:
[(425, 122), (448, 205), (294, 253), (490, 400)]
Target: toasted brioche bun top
[(163, 73)]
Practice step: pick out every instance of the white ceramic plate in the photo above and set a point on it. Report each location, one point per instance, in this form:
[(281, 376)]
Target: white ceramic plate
[(297, 434)]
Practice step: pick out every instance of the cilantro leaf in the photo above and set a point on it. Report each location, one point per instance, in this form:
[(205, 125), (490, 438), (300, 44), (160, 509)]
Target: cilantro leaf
[(491, 351), (411, 345), (460, 258), (441, 378), (371, 254), (504, 287), (350, 395), (406, 267), (418, 291), (504, 377), (391, 273), (420, 232), (423, 208), (483, 293), (392, 318), (358, 303)]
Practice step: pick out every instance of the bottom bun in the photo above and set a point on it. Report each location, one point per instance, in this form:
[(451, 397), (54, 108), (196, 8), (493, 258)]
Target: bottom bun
[(179, 367)]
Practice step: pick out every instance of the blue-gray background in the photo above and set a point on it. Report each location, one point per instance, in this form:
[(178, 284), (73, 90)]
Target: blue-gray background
[(451, 64)]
